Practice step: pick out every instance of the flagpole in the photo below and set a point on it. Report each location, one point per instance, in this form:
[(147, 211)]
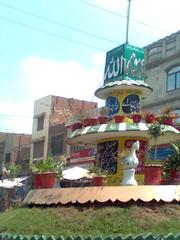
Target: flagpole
[(127, 24)]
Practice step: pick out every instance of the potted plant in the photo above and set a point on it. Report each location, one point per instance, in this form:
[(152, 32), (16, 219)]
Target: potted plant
[(98, 175), (77, 122), (103, 115), (46, 171), (90, 119), (172, 164), (136, 117), (118, 118), (152, 170), (168, 117), (150, 117), (74, 122), (13, 171)]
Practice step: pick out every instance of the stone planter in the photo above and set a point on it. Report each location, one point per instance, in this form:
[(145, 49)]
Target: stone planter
[(152, 174)]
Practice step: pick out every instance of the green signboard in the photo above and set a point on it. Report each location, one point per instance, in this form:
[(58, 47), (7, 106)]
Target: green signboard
[(124, 63)]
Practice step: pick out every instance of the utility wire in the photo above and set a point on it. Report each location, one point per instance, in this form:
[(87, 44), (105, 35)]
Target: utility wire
[(3, 115), (51, 34), (57, 23), (123, 16)]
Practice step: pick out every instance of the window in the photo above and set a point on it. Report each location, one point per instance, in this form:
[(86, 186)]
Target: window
[(173, 79), (177, 111), (8, 157), (38, 149), (76, 148), (57, 145), (40, 123)]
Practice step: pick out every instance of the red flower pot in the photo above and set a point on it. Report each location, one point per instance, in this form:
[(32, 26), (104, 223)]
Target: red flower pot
[(37, 181), (48, 179), (98, 181), (173, 174), (136, 118), (168, 121), (118, 118), (102, 119), (76, 125), (150, 118), (152, 175), (164, 181), (90, 122)]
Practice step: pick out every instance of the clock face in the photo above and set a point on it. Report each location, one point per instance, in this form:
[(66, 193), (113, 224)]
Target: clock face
[(112, 103), (131, 104)]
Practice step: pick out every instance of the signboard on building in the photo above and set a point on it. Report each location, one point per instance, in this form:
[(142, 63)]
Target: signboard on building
[(84, 156)]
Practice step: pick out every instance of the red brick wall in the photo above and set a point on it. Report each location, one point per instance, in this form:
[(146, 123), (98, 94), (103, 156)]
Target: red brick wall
[(62, 108)]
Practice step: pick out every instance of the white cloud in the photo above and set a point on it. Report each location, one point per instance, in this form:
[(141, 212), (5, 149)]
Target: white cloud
[(16, 117), (153, 19), (70, 79), (160, 14), (98, 59), (42, 77)]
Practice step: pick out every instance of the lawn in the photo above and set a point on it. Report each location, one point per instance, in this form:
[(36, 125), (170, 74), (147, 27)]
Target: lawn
[(80, 220)]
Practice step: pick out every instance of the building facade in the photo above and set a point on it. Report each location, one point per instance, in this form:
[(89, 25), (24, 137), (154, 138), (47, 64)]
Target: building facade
[(49, 132), (162, 71), (15, 149)]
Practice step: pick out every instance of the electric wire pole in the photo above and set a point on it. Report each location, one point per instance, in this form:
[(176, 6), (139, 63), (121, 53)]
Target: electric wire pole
[(127, 24)]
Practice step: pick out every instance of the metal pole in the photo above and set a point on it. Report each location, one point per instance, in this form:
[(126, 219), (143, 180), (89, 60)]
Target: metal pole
[(127, 25)]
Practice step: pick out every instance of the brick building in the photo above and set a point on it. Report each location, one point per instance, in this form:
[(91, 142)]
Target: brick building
[(15, 149), (49, 132)]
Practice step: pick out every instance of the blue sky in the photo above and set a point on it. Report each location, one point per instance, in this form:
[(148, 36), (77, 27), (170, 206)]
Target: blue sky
[(34, 64)]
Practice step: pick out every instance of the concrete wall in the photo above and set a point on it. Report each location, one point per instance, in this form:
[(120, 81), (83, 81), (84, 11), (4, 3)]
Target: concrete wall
[(55, 110), (160, 57), (42, 107)]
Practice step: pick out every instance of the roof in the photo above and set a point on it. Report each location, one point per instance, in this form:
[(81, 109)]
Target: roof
[(173, 35), (92, 134), (82, 195), (130, 84)]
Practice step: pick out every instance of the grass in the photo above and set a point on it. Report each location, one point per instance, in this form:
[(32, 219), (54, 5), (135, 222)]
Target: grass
[(80, 220)]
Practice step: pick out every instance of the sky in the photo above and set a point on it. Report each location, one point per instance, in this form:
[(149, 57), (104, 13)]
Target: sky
[(58, 47)]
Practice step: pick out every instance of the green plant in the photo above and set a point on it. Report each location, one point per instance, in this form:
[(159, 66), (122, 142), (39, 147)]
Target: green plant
[(173, 162), (96, 170), (103, 111), (167, 113), (155, 131), (13, 171), (60, 166), (50, 165), (154, 162), (90, 221)]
